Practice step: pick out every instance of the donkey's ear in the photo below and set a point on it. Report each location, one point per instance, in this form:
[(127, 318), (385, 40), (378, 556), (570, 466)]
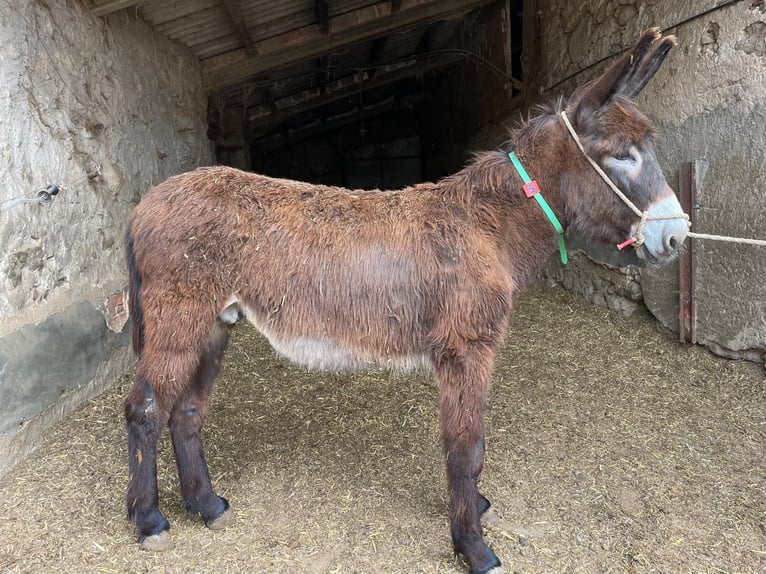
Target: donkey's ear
[(647, 67), (630, 73)]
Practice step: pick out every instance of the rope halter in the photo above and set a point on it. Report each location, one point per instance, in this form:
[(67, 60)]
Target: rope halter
[(638, 239)]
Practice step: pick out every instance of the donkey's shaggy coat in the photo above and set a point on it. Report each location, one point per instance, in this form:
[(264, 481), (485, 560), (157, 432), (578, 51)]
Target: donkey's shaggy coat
[(340, 279)]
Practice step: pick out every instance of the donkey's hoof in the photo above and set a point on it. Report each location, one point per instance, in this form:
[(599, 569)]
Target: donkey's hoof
[(157, 542), (224, 521), (493, 570), (484, 562)]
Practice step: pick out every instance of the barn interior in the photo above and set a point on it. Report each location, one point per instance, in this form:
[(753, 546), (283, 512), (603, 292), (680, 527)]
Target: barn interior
[(107, 98), (356, 93), (612, 445)]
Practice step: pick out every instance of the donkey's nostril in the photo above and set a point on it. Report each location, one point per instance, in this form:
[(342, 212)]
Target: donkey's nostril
[(673, 242)]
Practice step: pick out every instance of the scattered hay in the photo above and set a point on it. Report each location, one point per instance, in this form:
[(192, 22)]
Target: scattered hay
[(610, 448)]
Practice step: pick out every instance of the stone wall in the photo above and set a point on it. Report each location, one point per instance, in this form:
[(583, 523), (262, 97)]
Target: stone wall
[(708, 102), (105, 108)]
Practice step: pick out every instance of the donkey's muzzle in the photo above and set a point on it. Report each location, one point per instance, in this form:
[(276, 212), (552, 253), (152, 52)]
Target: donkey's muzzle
[(664, 237)]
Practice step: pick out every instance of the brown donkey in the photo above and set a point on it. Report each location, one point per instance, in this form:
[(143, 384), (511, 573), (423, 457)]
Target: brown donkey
[(340, 279)]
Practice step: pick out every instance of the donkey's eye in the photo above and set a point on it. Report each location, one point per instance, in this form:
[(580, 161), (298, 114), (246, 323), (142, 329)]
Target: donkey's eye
[(624, 161), (625, 156)]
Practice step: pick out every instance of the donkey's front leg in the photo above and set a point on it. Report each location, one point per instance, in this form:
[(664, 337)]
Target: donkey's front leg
[(464, 385)]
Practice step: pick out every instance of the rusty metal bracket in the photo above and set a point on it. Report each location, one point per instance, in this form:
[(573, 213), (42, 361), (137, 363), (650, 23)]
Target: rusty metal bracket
[(690, 198)]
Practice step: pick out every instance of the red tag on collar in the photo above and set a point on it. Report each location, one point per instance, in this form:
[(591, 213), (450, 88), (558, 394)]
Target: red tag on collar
[(531, 189)]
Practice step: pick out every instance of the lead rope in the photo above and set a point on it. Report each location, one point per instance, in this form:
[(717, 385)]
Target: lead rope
[(644, 215)]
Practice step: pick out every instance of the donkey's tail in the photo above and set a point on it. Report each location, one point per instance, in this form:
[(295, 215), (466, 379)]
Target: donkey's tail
[(134, 296)]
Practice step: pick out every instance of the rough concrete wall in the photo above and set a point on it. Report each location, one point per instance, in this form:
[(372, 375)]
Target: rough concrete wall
[(713, 106), (79, 94), (708, 101)]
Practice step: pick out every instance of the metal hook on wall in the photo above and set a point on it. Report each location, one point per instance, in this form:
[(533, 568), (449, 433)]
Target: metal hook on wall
[(43, 196), (46, 195)]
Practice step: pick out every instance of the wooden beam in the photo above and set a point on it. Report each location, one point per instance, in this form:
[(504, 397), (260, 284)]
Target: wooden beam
[(323, 15), (235, 15), (426, 42), (398, 128), (114, 6), (226, 70), (322, 74), (377, 49), (263, 118)]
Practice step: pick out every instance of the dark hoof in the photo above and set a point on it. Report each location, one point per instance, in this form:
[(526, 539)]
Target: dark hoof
[(485, 563), (496, 569), (157, 542), (224, 521)]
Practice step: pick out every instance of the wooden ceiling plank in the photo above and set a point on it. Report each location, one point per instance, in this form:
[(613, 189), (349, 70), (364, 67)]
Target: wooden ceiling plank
[(366, 23), (238, 22), (114, 6)]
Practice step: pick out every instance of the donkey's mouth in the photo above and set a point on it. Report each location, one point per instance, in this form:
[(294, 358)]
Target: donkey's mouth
[(645, 254)]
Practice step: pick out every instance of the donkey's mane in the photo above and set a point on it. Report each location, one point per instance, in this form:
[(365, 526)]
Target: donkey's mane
[(489, 173)]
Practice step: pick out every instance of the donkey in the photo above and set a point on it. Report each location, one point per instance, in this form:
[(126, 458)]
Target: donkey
[(349, 279)]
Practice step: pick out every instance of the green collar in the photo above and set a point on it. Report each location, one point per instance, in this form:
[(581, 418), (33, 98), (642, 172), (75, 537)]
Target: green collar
[(531, 189)]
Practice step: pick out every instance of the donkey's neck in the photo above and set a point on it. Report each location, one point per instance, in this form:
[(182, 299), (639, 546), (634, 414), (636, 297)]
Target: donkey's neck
[(491, 189)]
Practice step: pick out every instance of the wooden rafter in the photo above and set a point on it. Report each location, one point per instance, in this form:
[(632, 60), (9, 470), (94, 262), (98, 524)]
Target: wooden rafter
[(372, 21), (235, 15), (263, 117), (322, 76), (323, 15), (377, 49), (114, 6), (391, 129), (426, 41)]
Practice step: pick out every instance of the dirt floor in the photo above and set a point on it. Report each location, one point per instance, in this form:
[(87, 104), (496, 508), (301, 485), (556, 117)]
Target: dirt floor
[(611, 448)]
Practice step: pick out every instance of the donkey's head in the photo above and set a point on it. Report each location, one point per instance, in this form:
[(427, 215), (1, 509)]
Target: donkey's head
[(620, 140)]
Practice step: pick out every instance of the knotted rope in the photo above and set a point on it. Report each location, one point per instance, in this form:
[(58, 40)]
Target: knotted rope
[(644, 215)]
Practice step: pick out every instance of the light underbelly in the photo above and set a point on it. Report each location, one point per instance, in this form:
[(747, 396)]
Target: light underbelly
[(327, 355), (324, 352)]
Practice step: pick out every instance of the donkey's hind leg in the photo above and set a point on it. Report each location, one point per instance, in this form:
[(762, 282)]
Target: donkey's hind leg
[(145, 421), (186, 423), (162, 376)]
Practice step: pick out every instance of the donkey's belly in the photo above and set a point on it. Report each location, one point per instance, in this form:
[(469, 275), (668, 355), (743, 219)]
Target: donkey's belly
[(327, 353)]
